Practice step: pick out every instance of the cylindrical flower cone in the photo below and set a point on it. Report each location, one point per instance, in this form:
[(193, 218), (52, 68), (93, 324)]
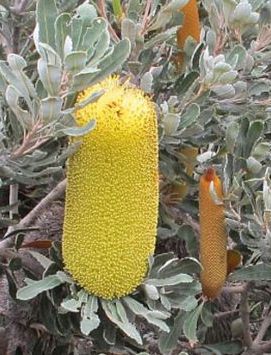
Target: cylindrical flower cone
[(112, 194)]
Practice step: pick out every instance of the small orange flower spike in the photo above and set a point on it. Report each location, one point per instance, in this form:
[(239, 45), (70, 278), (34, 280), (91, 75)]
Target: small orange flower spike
[(190, 27), (213, 234)]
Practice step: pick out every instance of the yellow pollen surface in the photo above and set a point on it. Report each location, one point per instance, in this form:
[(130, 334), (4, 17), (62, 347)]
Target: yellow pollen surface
[(111, 205)]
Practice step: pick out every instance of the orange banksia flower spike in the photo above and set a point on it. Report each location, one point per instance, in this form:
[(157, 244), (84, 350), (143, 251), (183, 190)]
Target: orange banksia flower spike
[(213, 234), (190, 27), (191, 24)]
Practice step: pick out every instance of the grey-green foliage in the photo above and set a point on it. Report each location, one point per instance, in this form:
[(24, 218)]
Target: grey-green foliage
[(37, 109), (169, 280)]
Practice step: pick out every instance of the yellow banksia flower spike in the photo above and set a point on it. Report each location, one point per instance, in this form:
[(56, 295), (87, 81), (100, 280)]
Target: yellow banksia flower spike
[(213, 234), (111, 206)]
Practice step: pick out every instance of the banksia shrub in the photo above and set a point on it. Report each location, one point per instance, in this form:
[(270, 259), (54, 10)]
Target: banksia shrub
[(213, 235), (111, 290), (112, 194)]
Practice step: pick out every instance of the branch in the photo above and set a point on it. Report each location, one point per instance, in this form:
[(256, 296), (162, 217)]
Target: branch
[(234, 289), (263, 329), (145, 17), (244, 314), (56, 193)]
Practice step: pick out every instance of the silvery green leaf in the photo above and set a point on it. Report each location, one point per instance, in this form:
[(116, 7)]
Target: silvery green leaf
[(101, 48), (87, 325), (91, 305), (49, 55), (3, 84), (151, 316), (128, 30), (214, 196), (64, 277), (267, 191), (42, 259), (107, 65), (48, 171), (261, 151), (174, 5), (30, 291), (80, 131), (87, 12), (165, 302), (253, 165), (92, 35), (151, 292), (74, 62), (92, 98), (190, 116), (77, 32), (252, 273), (17, 64), (50, 76), (128, 328), (62, 30), (231, 135), (188, 303), (190, 323), (165, 14), (50, 109), (29, 281), (74, 304), (237, 57), (243, 15), (253, 135), (23, 116), (168, 341), (207, 315), (134, 7), (224, 91), (46, 14), (163, 18), (221, 67), (161, 37), (187, 234), (9, 76), (188, 265), (146, 82), (85, 15), (169, 281), (171, 123), (259, 87), (67, 46), (182, 85), (211, 39), (241, 12), (228, 77)]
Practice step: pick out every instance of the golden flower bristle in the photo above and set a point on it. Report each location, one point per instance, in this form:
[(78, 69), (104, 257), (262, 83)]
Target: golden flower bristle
[(213, 235), (112, 194)]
